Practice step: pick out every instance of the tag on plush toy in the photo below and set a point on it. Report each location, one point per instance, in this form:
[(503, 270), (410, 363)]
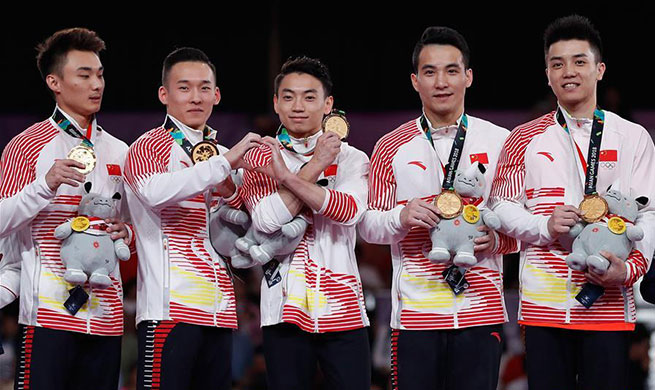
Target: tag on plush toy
[(80, 224), (616, 225), (471, 213)]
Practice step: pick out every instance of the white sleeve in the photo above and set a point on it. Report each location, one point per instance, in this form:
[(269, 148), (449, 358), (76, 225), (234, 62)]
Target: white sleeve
[(10, 266), (158, 188), (382, 227), (519, 223), (270, 213), (19, 209)]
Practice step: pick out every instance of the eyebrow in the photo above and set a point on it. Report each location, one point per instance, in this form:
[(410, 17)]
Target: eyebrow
[(559, 58), (312, 90), (451, 65), (188, 81), (89, 69)]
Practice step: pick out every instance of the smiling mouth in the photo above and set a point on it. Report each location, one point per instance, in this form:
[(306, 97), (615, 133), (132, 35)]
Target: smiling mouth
[(569, 86), (442, 95)]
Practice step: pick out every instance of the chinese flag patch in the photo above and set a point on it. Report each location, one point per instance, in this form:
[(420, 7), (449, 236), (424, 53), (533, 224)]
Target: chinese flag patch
[(114, 169), (330, 171), (609, 155), (479, 157)]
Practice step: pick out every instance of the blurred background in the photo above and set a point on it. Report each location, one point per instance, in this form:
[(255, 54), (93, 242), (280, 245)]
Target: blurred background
[(368, 51)]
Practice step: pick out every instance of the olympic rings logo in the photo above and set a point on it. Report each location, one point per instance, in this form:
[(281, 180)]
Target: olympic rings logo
[(608, 164)]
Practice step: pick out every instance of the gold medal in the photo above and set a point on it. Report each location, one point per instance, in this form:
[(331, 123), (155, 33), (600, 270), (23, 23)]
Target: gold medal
[(593, 207), (336, 123), (616, 225), (80, 224), (471, 213), (203, 151), (449, 204), (85, 155)]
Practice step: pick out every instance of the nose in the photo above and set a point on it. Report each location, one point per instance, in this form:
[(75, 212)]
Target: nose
[(297, 105), (569, 70), (440, 80), (98, 83), (195, 96)]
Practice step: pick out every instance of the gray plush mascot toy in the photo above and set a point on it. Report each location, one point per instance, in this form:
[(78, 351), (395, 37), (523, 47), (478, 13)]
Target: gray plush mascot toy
[(87, 250), (615, 232), (454, 237)]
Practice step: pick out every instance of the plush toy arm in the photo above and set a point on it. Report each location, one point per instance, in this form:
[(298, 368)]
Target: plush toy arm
[(234, 216), (490, 219), (634, 233), (295, 228), (576, 230), (63, 231)]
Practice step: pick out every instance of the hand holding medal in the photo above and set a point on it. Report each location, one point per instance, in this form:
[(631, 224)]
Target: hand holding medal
[(337, 123), (65, 171)]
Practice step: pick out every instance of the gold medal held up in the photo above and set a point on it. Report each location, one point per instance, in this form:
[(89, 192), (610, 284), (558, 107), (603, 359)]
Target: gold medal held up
[(336, 122), (449, 203), (85, 155), (593, 208), (203, 151)]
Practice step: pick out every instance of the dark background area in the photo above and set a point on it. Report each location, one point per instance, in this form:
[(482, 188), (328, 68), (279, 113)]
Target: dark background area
[(368, 51)]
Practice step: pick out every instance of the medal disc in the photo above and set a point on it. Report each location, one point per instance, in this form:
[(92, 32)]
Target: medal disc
[(203, 151), (336, 123), (80, 224), (85, 155), (449, 204), (616, 225), (593, 207), (471, 213)]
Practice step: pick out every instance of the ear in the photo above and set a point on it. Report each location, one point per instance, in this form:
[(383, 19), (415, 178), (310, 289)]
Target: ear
[(469, 77), (52, 81), (414, 78), (482, 168), (642, 202), (217, 96), (601, 71), (275, 103), (329, 102), (87, 187), (116, 196), (163, 95)]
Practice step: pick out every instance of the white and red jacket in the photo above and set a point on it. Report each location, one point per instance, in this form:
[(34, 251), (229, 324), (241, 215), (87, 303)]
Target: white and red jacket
[(405, 166), (321, 290), (540, 167), (180, 276), (30, 211)]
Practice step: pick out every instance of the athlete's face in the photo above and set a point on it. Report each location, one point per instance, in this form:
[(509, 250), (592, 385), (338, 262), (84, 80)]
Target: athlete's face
[(573, 73), (190, 93), (300, 102), (79, 85), (442, 79)]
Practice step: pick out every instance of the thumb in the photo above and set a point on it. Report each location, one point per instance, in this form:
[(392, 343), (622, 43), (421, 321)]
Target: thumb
[(611, 257)]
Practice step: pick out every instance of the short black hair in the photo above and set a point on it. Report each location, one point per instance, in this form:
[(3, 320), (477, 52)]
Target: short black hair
[(51, 53), (441, 36), (310, 66), (574, 27), (184, 54)]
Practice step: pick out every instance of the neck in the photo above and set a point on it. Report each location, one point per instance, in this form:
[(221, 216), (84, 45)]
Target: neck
[(441, 120), (82, 120), (199, 128), (584, 109), (302, 135)]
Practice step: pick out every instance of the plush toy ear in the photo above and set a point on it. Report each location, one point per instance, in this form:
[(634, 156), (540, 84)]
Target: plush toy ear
[(116, 196), (87, 187), (642, 202), (482, 168)]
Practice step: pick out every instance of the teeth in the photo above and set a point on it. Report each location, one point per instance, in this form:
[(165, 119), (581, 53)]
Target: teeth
[(570, 86)]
